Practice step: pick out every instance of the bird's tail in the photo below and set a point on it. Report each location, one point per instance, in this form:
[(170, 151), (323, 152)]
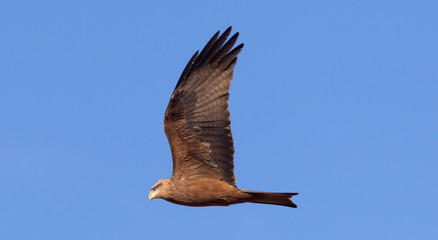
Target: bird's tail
[(283, 199)]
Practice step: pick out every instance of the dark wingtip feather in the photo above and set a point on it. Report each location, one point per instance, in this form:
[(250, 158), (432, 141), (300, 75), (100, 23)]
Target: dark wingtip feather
[(215, 47), (227, 31), (207, 47), (231, 57), (235, 51), (225, 48)]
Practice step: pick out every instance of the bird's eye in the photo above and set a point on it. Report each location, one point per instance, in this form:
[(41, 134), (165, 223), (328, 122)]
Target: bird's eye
[(156, 187)]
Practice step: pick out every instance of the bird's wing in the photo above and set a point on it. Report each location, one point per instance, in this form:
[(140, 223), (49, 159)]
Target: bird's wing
[(197, 120)]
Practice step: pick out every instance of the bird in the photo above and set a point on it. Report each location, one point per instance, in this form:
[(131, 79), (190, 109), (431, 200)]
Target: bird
[(197, 126)]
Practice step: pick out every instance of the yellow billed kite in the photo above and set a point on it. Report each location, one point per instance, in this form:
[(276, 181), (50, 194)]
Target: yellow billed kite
[(197, 125)]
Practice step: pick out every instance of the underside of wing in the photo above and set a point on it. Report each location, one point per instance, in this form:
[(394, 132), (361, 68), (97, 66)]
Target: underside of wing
[(197, 120)]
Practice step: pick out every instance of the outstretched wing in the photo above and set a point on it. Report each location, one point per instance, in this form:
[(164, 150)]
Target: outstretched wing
[(197, 120)]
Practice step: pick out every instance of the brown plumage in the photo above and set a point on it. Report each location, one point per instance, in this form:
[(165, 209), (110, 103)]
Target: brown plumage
[(197, 125)]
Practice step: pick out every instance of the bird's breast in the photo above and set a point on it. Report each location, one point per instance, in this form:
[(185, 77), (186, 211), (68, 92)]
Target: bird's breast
[(204, 192)]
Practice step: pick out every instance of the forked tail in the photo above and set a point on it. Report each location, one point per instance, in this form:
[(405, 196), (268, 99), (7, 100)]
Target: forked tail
[(283, 199)]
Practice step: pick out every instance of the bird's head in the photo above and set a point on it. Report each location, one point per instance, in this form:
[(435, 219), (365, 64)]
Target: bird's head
[(157, 189)]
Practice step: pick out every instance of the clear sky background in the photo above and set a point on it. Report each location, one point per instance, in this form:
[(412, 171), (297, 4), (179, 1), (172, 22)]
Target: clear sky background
[(336, 100)]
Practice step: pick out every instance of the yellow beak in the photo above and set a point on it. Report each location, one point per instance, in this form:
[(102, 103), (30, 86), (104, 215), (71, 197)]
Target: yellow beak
[(150, 197)]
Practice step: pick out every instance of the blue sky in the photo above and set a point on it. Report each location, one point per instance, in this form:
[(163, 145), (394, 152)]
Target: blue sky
[(336, 100)]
